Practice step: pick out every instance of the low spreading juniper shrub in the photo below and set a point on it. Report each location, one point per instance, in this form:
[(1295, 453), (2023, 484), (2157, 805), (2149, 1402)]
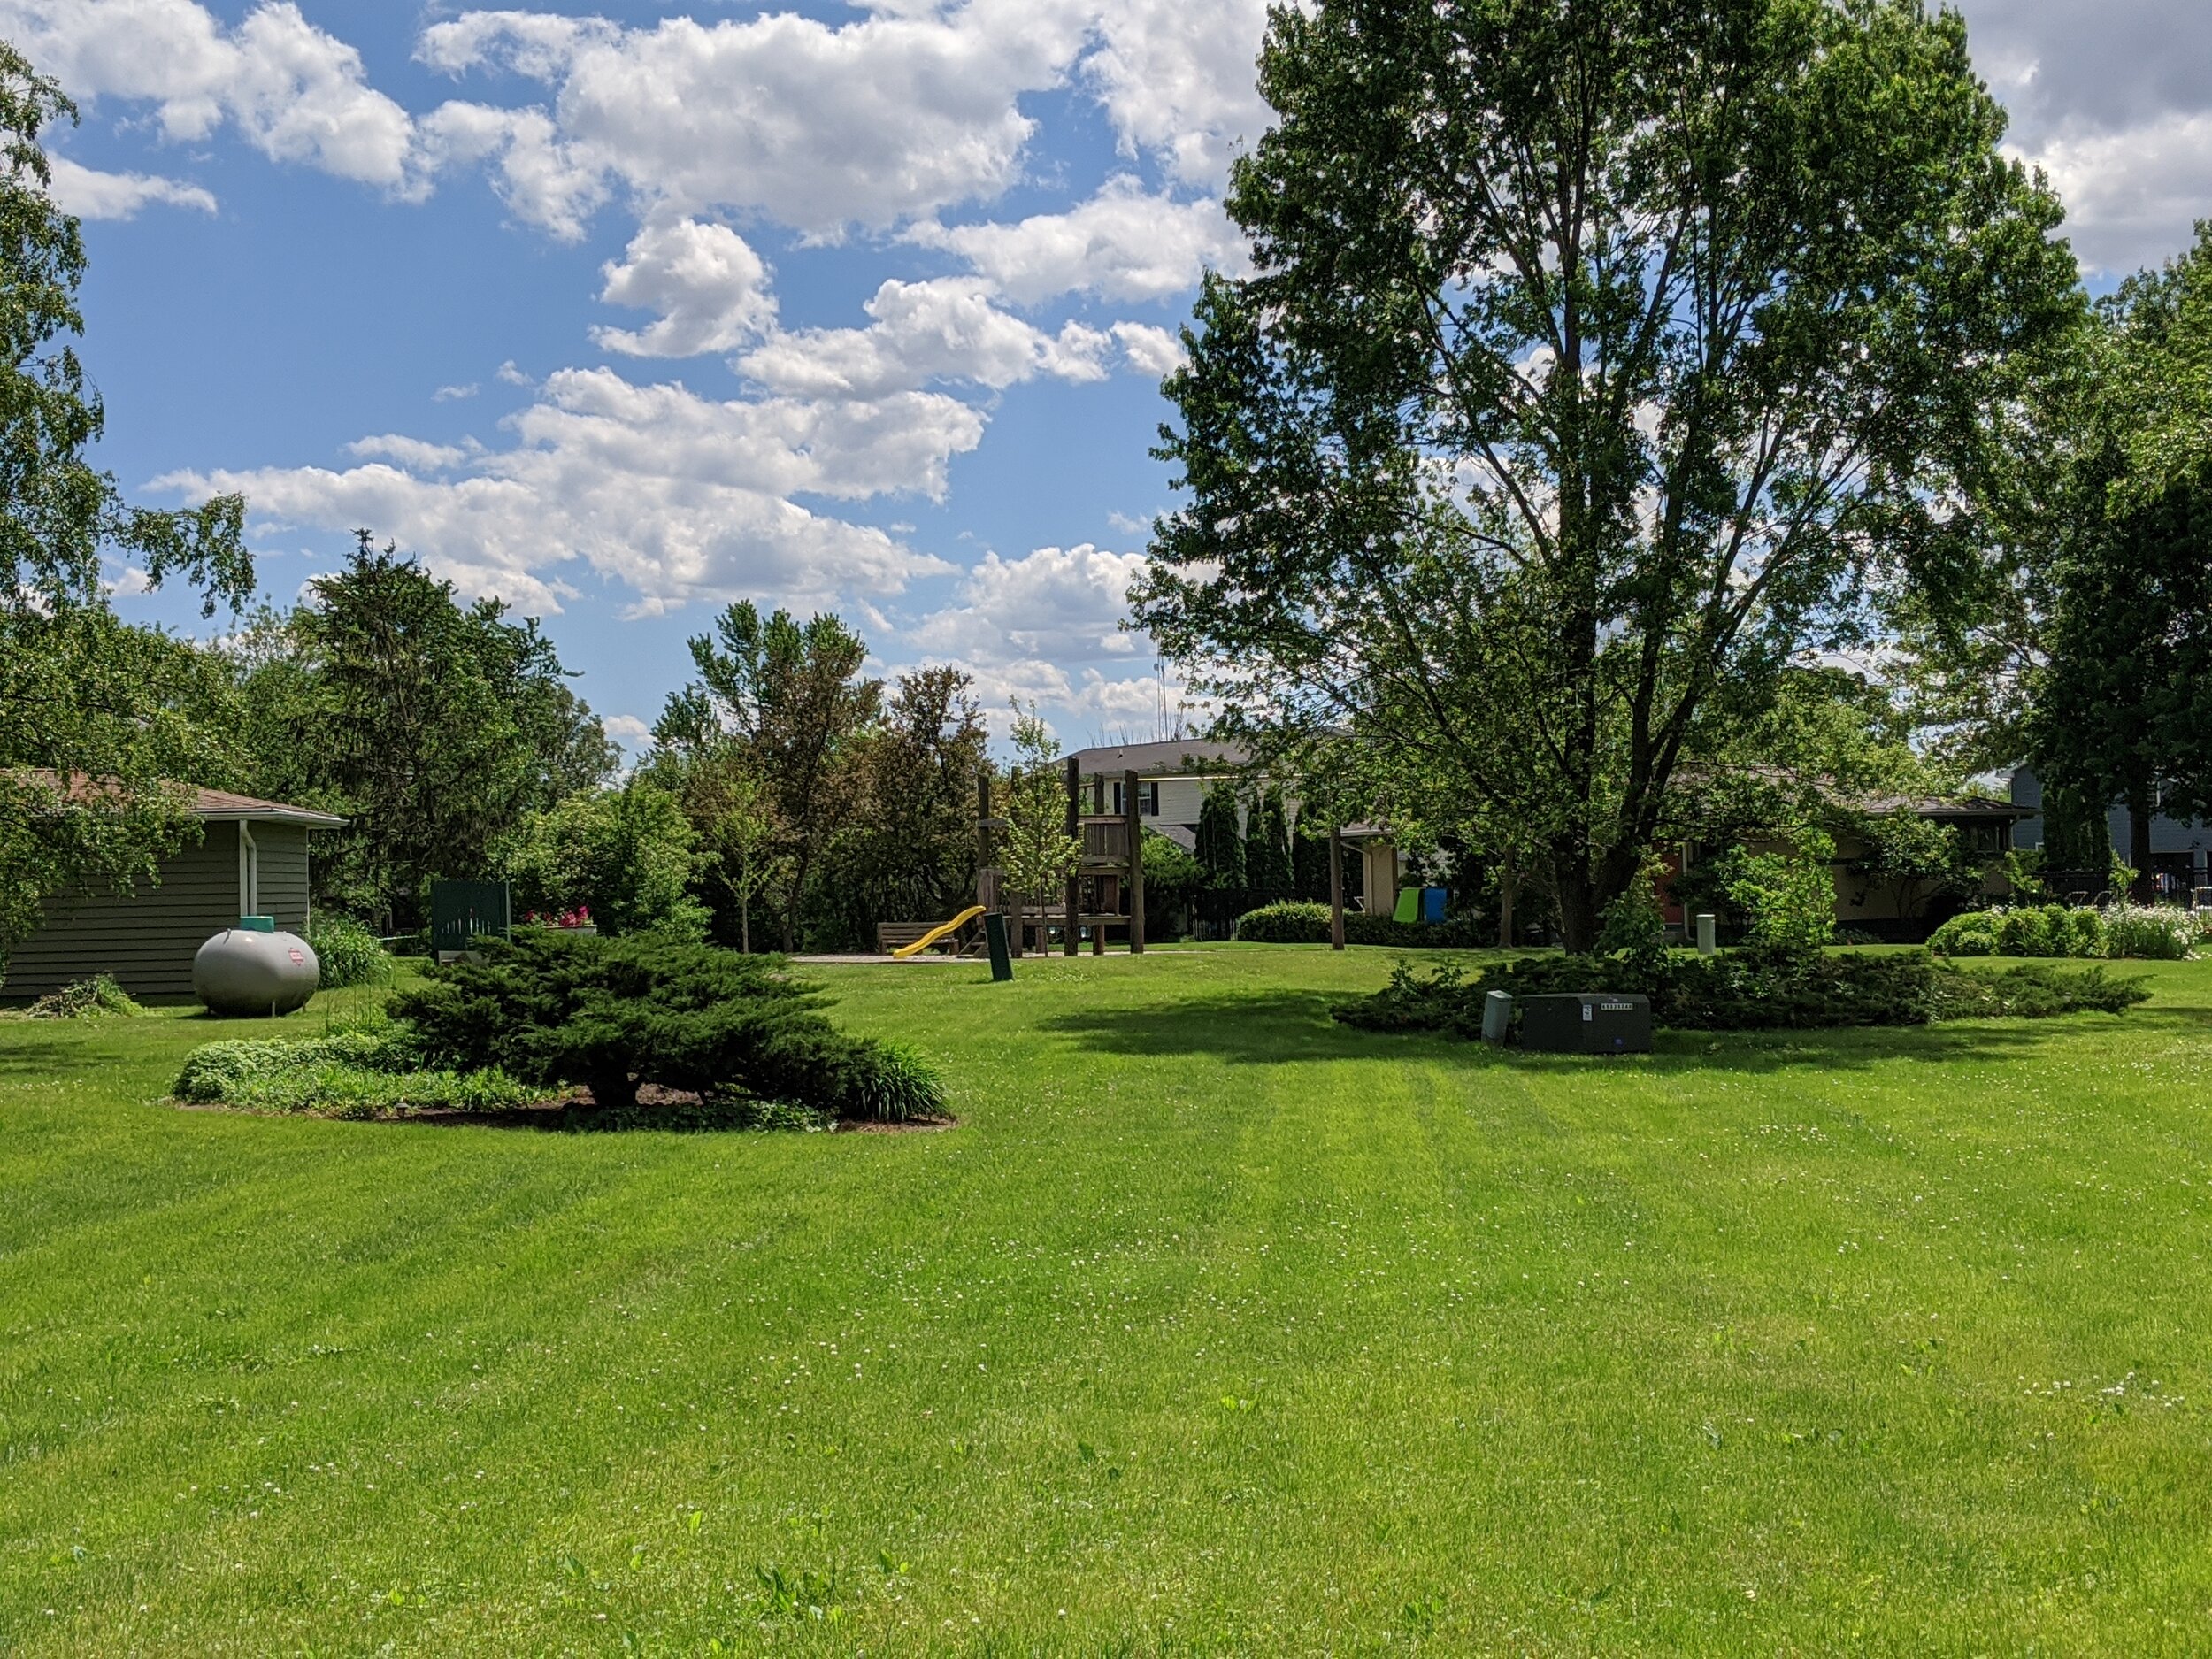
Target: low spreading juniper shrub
[(1751, 989), (713, 1113), (614, 1015), (1302, 922), (2032, 992)]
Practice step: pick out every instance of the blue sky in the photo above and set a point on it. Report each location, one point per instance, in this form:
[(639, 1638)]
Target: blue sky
[(625, 311)]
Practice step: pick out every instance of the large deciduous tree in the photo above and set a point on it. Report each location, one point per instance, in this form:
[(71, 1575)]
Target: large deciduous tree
[(2121, 680), (908, 851), (1599, 356), (791, 697), (95, 716)]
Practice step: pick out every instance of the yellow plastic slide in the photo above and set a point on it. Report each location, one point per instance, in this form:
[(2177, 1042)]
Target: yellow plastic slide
[(936, 933)]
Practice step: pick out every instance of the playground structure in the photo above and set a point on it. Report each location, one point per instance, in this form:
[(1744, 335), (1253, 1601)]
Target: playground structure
[(1105, 892)]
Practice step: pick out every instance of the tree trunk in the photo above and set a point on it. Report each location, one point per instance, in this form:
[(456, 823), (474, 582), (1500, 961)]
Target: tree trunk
[(1578, 905), (791, 908), (1336, 889), (613, 1088), (2140, 812), (1505, 904)]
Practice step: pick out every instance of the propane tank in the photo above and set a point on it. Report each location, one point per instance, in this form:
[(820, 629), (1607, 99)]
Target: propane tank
[(252, 969)]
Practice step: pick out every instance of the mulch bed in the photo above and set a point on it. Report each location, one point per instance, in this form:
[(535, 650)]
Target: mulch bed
[(558, 1111)]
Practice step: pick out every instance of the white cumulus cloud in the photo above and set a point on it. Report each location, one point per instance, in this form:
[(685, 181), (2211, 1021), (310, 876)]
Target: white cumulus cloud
[(1125, 243), (677, 496), (1178, 79), (89, 193), (422, 456), (296, 92), (1061, 605), (944, 329), (869, 122), (710, 288)]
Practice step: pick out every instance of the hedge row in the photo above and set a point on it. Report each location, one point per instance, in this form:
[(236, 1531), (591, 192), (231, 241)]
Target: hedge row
[(1747, 990), (1297, 922)]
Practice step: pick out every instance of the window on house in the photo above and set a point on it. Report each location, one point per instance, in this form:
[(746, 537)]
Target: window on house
[(1147, 799)]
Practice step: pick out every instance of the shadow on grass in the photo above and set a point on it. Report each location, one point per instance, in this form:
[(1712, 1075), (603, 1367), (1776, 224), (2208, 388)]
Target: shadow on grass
[(47, 1057), (1286, 1027)]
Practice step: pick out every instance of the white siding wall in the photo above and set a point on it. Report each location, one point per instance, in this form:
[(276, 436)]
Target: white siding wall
[(1180, 799)]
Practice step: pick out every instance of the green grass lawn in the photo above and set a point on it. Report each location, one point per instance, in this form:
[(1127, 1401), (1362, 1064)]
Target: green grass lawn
[(1214, 1327)]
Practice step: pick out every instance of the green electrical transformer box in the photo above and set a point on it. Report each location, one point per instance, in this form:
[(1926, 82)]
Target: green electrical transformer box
[(1587, 1022)]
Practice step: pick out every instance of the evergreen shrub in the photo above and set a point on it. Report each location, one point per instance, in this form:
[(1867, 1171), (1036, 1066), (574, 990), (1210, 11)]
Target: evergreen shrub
[(614, 1015)]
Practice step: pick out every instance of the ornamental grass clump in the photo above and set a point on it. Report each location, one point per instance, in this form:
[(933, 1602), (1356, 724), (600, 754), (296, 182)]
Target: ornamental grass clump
[(617, 1015), (349, 952)]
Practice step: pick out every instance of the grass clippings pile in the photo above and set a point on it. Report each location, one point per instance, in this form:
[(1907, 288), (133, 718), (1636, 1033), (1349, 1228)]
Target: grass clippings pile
[(83, 999)]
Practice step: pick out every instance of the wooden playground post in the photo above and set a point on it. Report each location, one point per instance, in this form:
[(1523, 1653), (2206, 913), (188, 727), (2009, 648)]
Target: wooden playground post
[(1075, 881), (1336, 888), (1134, 820)]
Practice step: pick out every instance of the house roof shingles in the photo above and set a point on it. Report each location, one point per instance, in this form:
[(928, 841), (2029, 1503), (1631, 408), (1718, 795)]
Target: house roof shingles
[(220, 806)]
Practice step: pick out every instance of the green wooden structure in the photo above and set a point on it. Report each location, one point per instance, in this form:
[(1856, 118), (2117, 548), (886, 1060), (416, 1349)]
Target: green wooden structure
[(462, 913)]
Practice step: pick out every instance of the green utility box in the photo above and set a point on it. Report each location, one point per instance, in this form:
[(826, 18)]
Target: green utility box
[(1587, 1022)]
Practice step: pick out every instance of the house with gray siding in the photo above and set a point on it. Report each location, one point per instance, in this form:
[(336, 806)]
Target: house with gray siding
[(251, 860)]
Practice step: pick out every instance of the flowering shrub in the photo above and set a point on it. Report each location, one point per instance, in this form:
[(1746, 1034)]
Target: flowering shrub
[(2155, 932), (575, 916)]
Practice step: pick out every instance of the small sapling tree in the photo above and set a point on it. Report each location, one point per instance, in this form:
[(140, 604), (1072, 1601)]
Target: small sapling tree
[(1037, 853)]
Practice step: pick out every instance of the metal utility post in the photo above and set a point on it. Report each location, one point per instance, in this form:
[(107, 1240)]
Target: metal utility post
[(1136, 821), (1336, 888), (1075, 833)]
